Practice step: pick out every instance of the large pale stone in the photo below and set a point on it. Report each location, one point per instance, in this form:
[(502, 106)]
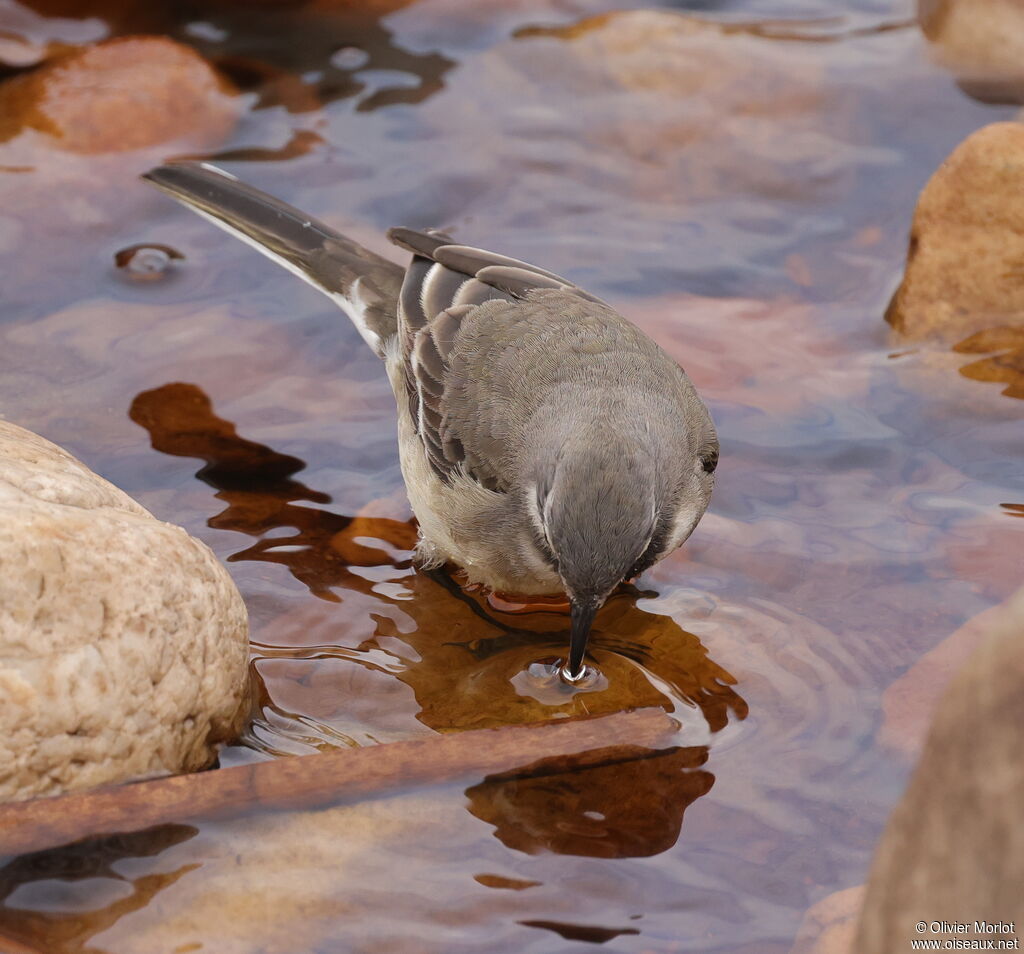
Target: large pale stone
[(965, 267), (123, 642)]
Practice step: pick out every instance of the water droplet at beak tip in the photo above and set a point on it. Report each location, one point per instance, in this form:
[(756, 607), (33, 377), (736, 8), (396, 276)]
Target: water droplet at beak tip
[(570, 677)]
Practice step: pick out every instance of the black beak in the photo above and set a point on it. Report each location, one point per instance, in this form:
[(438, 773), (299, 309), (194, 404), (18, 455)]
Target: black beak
[(582, 619)]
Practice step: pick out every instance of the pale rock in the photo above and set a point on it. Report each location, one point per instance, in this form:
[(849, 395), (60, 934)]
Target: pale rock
[(964, 266), (123, 641)]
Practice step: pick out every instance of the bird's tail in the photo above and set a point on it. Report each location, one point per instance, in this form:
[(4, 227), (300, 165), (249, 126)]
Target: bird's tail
[(364, 284)]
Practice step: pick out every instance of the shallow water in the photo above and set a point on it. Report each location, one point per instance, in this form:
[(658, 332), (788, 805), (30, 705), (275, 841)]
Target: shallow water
[(744, 196)]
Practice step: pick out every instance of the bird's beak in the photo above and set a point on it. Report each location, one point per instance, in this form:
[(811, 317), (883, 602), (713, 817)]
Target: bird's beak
[(582, 619)]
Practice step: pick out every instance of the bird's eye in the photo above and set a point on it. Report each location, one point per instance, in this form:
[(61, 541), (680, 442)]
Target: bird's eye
[(709, 461)]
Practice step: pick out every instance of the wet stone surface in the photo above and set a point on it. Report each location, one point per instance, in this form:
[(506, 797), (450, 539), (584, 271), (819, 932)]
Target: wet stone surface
[(743, 190)]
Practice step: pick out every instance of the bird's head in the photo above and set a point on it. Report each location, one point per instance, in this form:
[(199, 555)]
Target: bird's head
[(606, 506)]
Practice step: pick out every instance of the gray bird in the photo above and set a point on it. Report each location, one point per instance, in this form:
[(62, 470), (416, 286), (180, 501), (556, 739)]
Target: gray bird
[(546, 442)]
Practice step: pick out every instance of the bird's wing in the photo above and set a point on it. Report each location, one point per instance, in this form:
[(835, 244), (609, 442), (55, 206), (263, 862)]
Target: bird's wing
[(444, 284), (444, 275), (364, 284)]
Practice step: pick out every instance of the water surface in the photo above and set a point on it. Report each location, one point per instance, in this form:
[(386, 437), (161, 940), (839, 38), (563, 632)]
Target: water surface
[(744, 195)]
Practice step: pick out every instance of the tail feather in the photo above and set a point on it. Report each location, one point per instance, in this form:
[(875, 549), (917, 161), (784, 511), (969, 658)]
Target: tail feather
[(364, 284)]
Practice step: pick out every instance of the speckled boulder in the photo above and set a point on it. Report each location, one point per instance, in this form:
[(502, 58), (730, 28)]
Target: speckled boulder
[(963, 270), (123, 642)]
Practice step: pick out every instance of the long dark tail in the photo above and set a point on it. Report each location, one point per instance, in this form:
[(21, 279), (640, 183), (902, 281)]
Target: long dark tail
[(364, 284)]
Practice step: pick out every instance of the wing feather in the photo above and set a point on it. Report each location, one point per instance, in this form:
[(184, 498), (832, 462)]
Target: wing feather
[(440, 288), (476, 293), (419, 243), (465, 258), (412, 317), (444, 283), (518, 282)]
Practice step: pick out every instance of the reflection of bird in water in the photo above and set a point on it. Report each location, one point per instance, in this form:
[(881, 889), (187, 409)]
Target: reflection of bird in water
[(546, 442), (622, 808), (463, 662), (256, 483)]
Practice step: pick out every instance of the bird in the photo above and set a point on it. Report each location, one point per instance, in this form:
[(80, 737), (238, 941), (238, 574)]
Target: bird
[(547, 444)]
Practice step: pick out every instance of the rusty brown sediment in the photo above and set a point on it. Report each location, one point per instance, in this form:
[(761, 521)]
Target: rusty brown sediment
[(314, 781)]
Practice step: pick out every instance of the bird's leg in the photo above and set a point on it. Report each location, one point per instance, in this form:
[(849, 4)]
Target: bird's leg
[(443, 578), (481, 648)]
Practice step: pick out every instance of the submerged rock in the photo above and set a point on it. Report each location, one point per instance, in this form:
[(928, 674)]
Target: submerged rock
[(963, 271), (911, 702), (957, 829), (710, 143), (981, 42), (829, 926), (671, 103), (123, 94), (953, 848), (123, 642)]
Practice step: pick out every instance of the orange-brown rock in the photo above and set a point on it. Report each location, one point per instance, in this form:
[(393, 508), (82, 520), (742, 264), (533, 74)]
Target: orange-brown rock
[(123, 94), (965, 267)]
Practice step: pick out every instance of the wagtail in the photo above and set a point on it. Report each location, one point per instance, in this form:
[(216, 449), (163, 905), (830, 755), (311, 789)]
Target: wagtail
[(546, 443)]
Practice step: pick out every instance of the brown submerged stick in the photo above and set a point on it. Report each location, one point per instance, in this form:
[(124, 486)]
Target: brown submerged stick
[(9, 946), (313, 781)]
